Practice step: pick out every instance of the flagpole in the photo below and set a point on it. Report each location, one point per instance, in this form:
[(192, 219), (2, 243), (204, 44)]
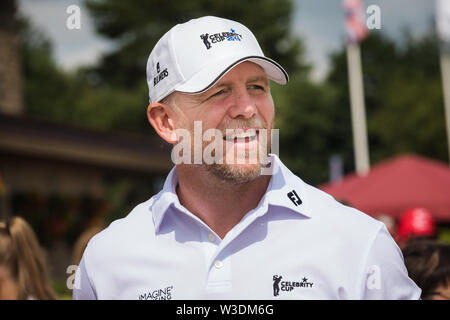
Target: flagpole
[(443, 30), (445, 70), (360, 140)]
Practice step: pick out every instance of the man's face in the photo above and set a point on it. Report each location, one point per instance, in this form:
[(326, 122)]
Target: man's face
[(239, 106)]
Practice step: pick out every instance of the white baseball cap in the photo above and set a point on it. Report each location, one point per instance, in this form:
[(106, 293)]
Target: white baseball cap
[(191, 57)]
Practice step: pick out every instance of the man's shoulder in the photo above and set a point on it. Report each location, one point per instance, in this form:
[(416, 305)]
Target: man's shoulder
[(325, 209), (122, 233), (342, 214)]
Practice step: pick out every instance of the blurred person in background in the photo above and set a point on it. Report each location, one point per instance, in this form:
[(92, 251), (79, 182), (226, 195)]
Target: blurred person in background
[(428, 264), (23, 274), (415, 223), (81, 243), (389, 222)]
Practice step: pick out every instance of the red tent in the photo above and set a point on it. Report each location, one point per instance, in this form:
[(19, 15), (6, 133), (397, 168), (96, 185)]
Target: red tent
[(393, 186)]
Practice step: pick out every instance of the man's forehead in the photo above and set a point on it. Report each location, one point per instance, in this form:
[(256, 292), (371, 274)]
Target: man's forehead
[(245, 72), (242, 73)]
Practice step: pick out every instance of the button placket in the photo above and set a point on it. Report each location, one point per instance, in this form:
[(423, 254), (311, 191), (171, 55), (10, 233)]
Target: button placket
[(210, 244), (219, 277), (211, 237)]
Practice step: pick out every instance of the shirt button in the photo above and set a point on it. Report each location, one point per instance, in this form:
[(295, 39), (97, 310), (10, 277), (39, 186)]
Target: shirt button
[(218, 264), (211, 237)]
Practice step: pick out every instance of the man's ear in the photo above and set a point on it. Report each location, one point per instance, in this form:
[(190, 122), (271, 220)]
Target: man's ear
[(161, 118)]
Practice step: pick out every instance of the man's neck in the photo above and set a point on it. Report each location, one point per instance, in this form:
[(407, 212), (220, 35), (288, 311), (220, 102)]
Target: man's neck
[(218, 203)]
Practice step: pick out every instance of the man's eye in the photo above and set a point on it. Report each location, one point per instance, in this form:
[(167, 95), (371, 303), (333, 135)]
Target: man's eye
[(257, 87), (218, 93)]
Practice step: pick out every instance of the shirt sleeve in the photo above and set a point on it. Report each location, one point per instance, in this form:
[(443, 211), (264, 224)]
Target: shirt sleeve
[(385, 274), (83, 289)]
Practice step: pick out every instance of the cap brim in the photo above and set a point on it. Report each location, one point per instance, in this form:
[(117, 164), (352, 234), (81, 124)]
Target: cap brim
[(207, 77)]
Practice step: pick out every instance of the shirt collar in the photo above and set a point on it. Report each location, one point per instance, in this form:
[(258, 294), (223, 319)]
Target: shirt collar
[(165, 198), (284, 190)]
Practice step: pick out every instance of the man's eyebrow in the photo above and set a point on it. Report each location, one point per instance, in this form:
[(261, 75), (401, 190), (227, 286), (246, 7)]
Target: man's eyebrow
[(225, 84), (216, 86), (253, 79), (259, 78)]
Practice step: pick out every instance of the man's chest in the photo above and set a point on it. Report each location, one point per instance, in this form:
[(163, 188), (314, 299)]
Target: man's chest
[(237, 272)]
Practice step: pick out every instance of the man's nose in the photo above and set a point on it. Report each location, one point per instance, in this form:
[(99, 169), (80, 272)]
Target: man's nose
[(243, 106)]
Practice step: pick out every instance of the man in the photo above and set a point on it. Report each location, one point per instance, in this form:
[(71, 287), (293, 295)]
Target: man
[(225, 229)]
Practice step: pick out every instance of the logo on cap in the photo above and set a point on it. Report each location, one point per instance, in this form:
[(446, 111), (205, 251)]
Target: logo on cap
[(161, 74), (219, 37)]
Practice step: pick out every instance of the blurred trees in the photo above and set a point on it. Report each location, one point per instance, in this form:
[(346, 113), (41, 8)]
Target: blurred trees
[(113, 95), (404, 107), (48, 91), (137, 25), (403, 95), (402, 82), (75, 97)]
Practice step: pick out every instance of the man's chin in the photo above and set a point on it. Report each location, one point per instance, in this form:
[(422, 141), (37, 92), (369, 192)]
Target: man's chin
[(235, 173)]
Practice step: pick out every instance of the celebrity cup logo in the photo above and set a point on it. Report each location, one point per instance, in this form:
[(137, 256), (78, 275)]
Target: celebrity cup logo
[(206, 42), (288, 286), (231, 35), (276, 285)]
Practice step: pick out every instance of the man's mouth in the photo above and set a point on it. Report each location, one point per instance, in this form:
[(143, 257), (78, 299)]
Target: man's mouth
[(241, 135)]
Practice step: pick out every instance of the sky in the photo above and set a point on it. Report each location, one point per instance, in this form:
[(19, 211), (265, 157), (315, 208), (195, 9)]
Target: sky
[(319, 23)]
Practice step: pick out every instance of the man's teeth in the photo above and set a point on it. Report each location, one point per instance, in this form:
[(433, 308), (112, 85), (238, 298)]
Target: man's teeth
[(241, 136)]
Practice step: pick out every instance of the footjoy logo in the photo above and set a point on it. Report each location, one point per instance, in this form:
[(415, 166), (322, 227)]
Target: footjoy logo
[(288, 285), (219, 37), (294, 198), (159, 294)]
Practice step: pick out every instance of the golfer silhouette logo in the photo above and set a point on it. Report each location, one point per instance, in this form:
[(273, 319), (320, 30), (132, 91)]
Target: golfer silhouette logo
[(276, 285), (205, 40)]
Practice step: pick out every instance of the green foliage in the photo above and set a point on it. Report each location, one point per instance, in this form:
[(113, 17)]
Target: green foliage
[(403, 90), (61, 290), (114, 94), (113, 109), (444, 234), (48, 92), (75, 98), (308, 133), (403, 96)]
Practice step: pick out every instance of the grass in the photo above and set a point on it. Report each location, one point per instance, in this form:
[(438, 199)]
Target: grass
[(61, 290)]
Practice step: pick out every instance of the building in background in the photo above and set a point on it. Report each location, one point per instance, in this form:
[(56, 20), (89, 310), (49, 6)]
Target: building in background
[(61, 178), (65, 179)]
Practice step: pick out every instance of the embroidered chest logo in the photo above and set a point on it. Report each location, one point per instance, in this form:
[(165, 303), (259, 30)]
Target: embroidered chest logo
[(160, 74), (219, 37), (289, 285), (293, 196), (158, 294)]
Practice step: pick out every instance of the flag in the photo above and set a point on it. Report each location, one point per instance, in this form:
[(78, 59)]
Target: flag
[(443, 19), (355, 20)]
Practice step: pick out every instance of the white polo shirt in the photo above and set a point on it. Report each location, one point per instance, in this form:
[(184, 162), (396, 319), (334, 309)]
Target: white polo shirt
[(298, 243)]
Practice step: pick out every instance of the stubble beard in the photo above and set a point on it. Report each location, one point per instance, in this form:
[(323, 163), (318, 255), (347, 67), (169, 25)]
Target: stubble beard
[(237, 173)]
